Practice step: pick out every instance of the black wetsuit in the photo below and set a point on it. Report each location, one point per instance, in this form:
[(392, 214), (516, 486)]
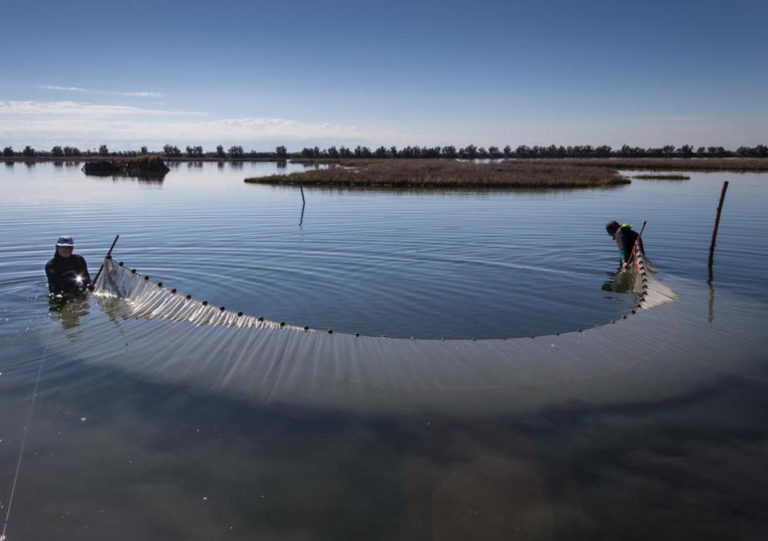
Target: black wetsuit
[(62, 273), (625, 240)]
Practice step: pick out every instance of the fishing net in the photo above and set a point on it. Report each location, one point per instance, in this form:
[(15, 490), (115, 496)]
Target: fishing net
[(146, 298), (149, 299), (152, 330)]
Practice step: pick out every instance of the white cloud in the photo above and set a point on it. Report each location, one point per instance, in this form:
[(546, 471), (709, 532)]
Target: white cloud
[(135, 94), (72, 108), (58, 122), (141, 94), (63, 88)]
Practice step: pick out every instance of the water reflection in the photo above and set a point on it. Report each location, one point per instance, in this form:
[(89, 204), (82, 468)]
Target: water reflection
[(662, 439), (156, 182), (624, 282), (68, 309)]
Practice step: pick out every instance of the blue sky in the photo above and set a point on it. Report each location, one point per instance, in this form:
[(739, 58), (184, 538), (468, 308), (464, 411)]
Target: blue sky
[(394, 73)]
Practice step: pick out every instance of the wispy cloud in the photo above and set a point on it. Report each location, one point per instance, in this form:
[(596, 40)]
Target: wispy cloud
[(63, 88), (134, 94), (673, 118), (22, 121), (141, 94), (83, 110)]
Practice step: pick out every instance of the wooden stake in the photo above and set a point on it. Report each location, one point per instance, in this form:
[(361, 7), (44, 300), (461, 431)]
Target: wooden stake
[(714, 233)]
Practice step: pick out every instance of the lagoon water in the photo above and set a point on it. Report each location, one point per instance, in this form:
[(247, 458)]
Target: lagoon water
[(114, 452)]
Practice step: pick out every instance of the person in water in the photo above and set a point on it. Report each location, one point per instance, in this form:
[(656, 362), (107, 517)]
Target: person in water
[(625, 239), (66, 272)]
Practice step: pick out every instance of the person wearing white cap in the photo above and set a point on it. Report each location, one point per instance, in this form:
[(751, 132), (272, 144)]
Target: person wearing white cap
[(66, 272)]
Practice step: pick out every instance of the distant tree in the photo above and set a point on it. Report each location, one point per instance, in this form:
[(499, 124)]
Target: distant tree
[(72, 151), (171, 151), (603, 151), (380, 152), (715, 151), (701, 151), (333, 152), (469, 152), (393, 152), (281, 152), (8, 152), (449, 152), (144, 149), (494, 152), (28, 151), (220, 151), (103, 150), (686, 151), (523, 151), (190, 151), (508, 151), (57, 151), (362, 152), (235, 151), (345, 152)]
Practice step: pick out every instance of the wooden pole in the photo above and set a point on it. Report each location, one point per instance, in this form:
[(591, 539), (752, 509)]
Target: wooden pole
[(714, 233), (109, 254), (303, 204), (633, 253)]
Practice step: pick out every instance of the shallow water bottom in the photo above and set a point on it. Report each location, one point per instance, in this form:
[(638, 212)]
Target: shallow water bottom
[(121, 453)]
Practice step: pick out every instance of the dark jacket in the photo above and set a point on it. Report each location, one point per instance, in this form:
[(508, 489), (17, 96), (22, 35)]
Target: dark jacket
[(62, 273), (625, 240)]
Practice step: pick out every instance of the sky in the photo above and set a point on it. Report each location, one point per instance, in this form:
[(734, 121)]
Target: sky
[(299, 73)]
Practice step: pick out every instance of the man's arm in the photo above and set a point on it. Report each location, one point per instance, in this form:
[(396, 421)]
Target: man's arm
[(82, 271), (53, 283)]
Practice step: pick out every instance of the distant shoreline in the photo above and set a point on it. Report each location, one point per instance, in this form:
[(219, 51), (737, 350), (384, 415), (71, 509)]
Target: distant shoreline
[(448, 173), (649, 164), (95, 158), (640, 164)]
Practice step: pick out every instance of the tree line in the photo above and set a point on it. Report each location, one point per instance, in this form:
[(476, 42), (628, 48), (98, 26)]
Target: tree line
[(468, 152)]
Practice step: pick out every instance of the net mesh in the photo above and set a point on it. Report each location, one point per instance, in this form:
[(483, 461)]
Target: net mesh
[(147, 298)]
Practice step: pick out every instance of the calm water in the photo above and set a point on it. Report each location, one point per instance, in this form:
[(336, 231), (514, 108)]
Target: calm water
[(112, 454)]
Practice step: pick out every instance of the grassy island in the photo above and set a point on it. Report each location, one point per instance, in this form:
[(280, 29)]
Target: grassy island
[(150, 166), (447, 174)]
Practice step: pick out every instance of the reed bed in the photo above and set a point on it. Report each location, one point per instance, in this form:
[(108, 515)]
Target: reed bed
[(667, 164), (150, 166), (447, 174)]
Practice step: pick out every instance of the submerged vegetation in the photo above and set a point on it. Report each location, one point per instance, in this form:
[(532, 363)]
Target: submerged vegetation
[(449, 174), (151, 166)]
